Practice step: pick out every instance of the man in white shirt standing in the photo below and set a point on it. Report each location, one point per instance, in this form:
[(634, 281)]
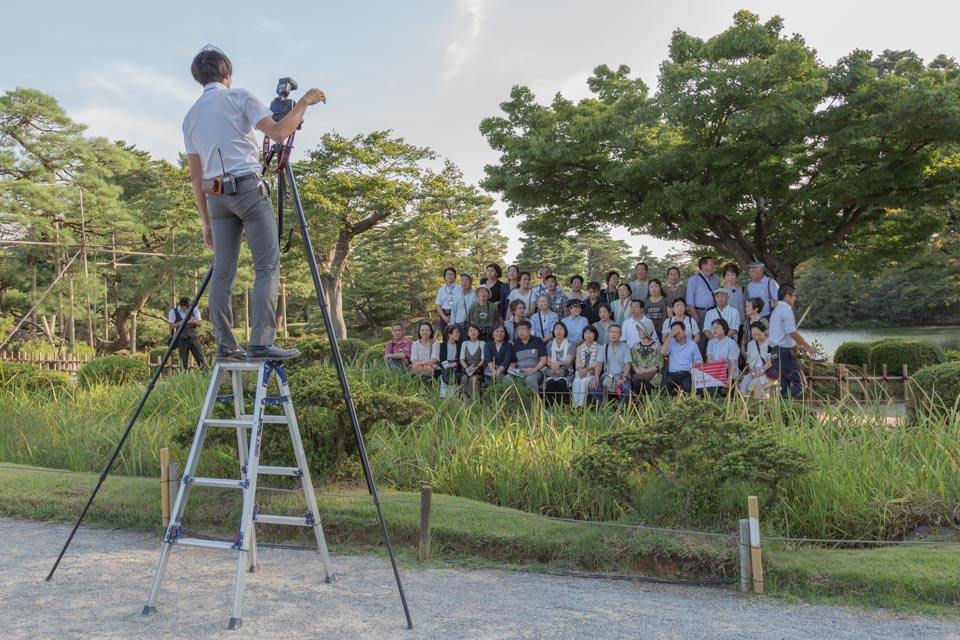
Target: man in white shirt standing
[(224, 159), (784, 338)]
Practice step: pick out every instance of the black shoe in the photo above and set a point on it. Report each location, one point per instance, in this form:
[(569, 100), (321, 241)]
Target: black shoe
[(271, 353), (237, 355)]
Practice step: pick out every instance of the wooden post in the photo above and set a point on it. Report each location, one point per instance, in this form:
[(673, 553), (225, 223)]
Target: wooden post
[(426, 492), (164, 489), (886, 387), (173, 484), (746, 569), (842, 374), (756, 561)]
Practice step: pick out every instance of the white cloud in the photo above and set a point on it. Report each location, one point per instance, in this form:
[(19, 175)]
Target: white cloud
[(572, 87), (123, 81), (466, 34), (160, 138)]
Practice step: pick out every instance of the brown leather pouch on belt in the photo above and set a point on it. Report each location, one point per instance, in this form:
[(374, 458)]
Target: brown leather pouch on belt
[(213, 186)]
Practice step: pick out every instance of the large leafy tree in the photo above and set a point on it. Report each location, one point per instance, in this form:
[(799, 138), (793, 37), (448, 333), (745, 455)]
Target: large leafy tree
[(750, 146)]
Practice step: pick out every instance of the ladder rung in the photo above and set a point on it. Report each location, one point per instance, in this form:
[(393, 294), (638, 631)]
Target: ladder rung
[(275, 420), (213, 422), (240, 366), (261, 518), (281, 471), (220, 482), (199, 542)]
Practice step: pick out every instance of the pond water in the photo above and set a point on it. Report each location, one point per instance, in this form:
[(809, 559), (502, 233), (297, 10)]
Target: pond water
[(830, 339)]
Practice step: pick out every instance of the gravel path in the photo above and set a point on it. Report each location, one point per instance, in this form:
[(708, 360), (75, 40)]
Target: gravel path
[(102, 585)]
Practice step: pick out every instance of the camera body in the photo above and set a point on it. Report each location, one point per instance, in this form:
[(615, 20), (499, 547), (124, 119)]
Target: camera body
[(283, 103)]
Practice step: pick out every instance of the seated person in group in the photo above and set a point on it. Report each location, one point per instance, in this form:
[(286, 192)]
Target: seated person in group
[(754, 307), (472, 361), (498, 352), (518, 312), (586, 360), (646, 364), (690, 326), (603, 324), (592, 302), (722, 347), (397, 352), (425, 353), (559, 372), (682, 353), (450, 361), (484, 313), (612, 370), (575, 322), (757, 380), (543, 320), (637, 322), (529, 356), (723, 310)]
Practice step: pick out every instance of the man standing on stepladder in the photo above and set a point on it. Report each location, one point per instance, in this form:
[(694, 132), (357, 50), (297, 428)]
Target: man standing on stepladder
[(224, 161)]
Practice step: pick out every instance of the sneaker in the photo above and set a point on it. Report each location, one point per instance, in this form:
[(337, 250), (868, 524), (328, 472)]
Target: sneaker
[(271, 353), (237, 355)]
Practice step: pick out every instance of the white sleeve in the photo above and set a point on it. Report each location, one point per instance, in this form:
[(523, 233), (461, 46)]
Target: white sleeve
[(253, 109)]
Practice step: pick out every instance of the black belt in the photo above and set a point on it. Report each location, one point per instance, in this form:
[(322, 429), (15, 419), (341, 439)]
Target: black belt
[(246, 176)]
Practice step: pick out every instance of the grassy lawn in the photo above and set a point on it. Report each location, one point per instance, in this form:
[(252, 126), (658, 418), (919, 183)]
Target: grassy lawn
[(470, 533)]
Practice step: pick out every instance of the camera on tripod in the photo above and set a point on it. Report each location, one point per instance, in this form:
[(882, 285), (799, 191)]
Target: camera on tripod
[(283, 103)]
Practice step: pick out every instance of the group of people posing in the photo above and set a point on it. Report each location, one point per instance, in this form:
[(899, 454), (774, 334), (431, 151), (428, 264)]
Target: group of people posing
[(606, 342)]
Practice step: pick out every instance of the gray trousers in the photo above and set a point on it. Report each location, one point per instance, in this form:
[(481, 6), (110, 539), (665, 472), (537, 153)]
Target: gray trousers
[(248, 212)]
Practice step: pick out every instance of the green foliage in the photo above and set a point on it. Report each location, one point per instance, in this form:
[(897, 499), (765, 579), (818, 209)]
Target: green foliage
[(9, 371), (112, 370), (747, 131), (694, 446), (316, 350), (856, 353), (373, 355), (43, 383), (934, 391), (896, 352)]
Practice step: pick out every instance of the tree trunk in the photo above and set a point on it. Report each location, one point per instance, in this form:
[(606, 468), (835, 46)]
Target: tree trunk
[(333, 290)]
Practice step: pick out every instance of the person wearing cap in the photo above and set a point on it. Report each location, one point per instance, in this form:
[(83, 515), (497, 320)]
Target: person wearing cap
[(763, 287), (575, 322), (784, 338), (190, 338), (484, 313), (725, 311), (637, 323)]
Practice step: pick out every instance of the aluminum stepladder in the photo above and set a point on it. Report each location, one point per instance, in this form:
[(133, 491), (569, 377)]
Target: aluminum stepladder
[(244, 543)]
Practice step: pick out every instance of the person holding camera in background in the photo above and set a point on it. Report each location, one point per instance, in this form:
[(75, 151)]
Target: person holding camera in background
[(190, 339), (225, 173)]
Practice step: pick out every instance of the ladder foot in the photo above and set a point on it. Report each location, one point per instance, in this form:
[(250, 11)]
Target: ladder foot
[(330, 579), (147, 610), (252, 569), (234, 623)]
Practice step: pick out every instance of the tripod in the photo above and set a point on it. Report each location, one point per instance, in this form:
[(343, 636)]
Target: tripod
[(285, 175)]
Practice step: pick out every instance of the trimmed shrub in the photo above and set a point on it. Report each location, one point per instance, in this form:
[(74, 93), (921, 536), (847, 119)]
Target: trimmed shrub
[(318, 350), (373, 354), (896, 352), (112, 370), (857, 353), (934, 390), (44, 383), (9, 371)]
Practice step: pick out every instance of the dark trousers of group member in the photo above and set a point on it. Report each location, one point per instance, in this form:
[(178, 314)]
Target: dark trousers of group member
[(556, 390), (676, 381), (642, 387), (788, 368), (442, 336), (188, 345)]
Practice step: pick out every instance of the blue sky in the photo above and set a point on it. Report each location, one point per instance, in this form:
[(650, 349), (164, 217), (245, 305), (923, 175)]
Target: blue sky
[(429, 70)]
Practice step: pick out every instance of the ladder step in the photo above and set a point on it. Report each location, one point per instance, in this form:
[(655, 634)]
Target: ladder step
[(281, 471), (261, 518), (219, 482), (199, 542), (239, 366), (245, 421)]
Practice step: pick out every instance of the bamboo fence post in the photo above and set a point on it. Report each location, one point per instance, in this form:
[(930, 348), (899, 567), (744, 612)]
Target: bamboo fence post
[(756, 560), (164, 485), (886, 386), (173, 483), (426, 493), (844, 387), (746, 569)]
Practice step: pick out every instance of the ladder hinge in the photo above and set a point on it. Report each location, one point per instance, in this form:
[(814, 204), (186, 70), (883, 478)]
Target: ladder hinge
[(174, 532), (310, 519), (238, 540), (187, 480)]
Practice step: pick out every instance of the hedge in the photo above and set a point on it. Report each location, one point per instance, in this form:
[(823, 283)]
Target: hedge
[(44, 383), (857, 353), (934, 390), (112, 370), (896, 352)]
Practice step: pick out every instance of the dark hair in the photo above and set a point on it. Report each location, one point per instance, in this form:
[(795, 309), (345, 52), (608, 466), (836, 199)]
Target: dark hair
[(605, 305), (731, 267), (566, 332), (513, 266), (785, 290), (677, 269), (522, 323), (640, 263), (659, 284), (506, 334), (397, 324), (756, 303), (642, 304), (495, 267), (723, 324), (450, 329), (758, 325), (448, 269), (184, 300), (592, 329), (549, 276), (593, 284), (702, 261), (516, 303), (624, 284), (524, 273), (576, 277), (426, 324), (470, 325), (680, 300), (615, 325), (210, 65), (610, 274), (678, 324)]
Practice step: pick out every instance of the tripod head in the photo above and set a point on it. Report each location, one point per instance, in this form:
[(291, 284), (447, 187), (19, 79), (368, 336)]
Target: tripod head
[(280, 107), (283, 103)]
